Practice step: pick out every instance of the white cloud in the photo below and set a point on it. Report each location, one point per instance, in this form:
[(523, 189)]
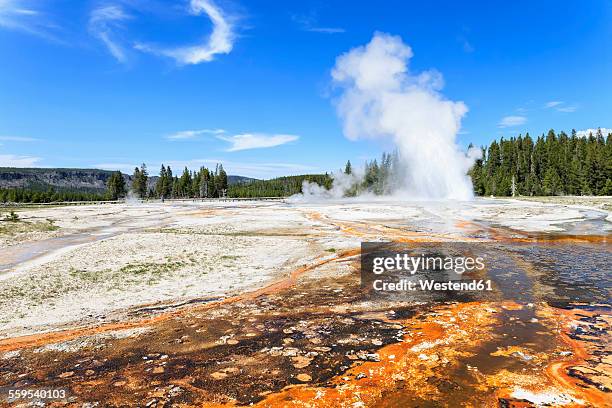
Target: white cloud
[(567, 109), (309, 23), (11, 160), (123, 167), (560, 106), (18, 139), (255, 170), (20, 15), (465, 44), (103, 22), (241, 168), (193, 134), (243, 141), (509, 121), (14, 8), (586, 132), (247, 141), (221, 40), (326, 30)]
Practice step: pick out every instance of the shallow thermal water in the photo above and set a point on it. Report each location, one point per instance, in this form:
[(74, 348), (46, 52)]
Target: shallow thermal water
[(560, 274), (537, 256)]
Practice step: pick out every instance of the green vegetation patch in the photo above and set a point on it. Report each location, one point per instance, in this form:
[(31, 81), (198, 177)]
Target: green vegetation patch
[(550, 165), (12, 228)]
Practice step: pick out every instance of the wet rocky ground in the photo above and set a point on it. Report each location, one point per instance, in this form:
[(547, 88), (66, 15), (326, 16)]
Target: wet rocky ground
[(317, 338), (326, 342)]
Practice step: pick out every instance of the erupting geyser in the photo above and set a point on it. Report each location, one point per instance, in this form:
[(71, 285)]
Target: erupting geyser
[(381, 98)]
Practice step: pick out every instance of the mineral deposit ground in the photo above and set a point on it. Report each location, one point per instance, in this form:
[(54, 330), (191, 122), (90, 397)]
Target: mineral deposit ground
[(206, 304)]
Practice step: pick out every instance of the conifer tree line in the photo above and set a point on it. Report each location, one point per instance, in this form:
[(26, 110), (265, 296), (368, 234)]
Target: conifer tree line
[(552, 164), (378, 177), (28, 195), (277, 187), (203, 183)]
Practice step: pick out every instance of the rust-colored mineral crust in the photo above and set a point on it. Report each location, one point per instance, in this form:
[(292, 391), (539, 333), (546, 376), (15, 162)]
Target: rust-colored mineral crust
[(312, 337)]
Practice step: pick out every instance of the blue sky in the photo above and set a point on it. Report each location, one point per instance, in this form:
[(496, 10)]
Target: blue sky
[(110, 84)]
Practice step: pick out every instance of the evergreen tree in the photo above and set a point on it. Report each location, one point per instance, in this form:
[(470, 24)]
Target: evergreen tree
[(222, 181), (554, 164), (159, 186), (116, 186), (204, 180), (476, 174), (169, 183), (184, 184), (136, 181), (212, 186), (552, 182), (139, 181), (348, 168), (144, 180)]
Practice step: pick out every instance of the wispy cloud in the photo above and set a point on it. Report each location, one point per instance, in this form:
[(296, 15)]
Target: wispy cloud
[(509, 121), (567, 109), (21, 15), (220, 41), (241, 168), (463, 38), (18, 139), (326, 30), (249, 169), (467, 46), (123, 167), (587, 132), (248, 141), (104, 21), (193, 134), (309, 22), (11, 160), (560, 106)]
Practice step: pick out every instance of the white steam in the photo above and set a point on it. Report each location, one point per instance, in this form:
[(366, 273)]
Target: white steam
[(312, 192), (381, 98)]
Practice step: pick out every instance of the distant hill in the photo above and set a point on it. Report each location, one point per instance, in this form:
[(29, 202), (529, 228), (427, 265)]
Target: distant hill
[(239, 180), (63, 179)]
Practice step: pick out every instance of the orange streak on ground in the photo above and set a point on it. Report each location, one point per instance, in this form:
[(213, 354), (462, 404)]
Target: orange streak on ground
[(558, 371), (400, 363), (37, 340), (365, 230), (566, 239), (385, 376), (505, 234)]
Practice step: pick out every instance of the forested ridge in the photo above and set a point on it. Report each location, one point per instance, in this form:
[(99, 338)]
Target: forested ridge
[(551, 164)]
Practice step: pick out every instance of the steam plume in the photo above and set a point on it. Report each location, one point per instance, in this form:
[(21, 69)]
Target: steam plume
[(381, 98)]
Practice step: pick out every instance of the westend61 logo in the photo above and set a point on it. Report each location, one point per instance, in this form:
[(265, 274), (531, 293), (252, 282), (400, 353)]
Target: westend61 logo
[(432, 267)]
